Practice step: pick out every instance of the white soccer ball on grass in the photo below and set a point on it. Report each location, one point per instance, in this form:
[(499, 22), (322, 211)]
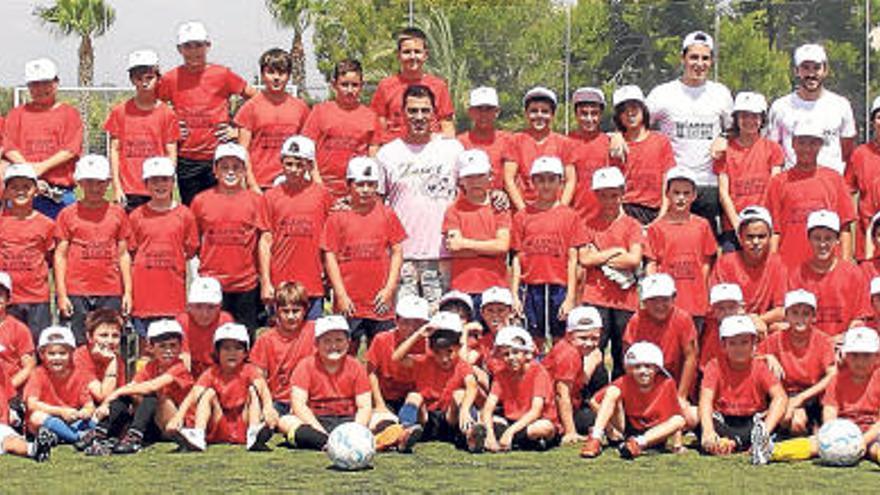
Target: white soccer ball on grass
[(351, 446), (840, 443)]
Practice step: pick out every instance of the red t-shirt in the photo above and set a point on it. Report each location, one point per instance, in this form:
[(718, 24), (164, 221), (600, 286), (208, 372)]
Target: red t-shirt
[(177, 389), (516, 392), (5, 393), (38, 134), (231, 388), (331, 394), (566, 365), (162, 241), (624, 232), (870, 268), (793, 195), (710, 343), (142, 134), (474, 272), (270, 124), (198, 340), (362, 243), (436, 384), (587, 155), (763, 286), (278, 354), (645, 410), (96, 366), (340, 134), (681, 249), (388, 102), (230, 226), (494, 147), (672, 336), (861, 176), (645, 169), (841, 294), (542, 240), (15, 342), (804, 366), (25, 245), (739, 392), (201, 101), (296, 220), (395, 380), (858, 402), (523, 149), (748, 169), (93, 235), (69, 391)]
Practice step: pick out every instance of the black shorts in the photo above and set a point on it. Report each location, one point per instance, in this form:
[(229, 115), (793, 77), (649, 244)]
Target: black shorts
[(330, 423), (736, 428), (437, 428), (584, 419)]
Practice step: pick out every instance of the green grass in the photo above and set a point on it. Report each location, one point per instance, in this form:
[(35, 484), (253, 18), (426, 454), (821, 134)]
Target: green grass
[(434, 468)]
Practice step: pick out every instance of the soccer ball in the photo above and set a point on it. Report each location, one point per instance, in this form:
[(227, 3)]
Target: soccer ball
[(840, 443), (351, 446)]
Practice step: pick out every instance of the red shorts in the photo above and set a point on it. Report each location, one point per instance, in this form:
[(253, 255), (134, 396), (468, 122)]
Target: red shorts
[(230, 428)]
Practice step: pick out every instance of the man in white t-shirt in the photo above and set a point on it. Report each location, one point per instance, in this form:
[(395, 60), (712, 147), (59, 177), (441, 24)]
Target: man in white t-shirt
[(824, 107), (693, 112), (419, 186)]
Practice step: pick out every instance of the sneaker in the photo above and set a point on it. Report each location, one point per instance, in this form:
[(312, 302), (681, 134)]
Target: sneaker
[(388, 438), (49, 436), (630, 449), (99, 448), (43, 445), (409, 438), (591, 449), (257, 436), (192, 440), (88, 439), (762, 447), (476, 438), (131, 443)]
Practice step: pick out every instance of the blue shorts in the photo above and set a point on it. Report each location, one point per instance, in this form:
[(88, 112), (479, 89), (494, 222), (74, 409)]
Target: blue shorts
[(541, 305)]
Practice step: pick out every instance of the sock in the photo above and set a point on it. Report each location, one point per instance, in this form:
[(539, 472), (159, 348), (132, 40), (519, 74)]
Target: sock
[(641, 441), (796, 449), (408, 414), (31, 449), (307, 437), (57, 426), (144, 414), (597, 434)]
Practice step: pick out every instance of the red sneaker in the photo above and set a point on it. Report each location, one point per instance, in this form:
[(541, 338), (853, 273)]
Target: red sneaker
[(630, 449), (592, 448)]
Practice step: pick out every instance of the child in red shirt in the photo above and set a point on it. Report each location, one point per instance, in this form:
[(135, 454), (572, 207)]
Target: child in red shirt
[(363, 254), (329, 388), (683, 244), (342, 128), (13, 443), (27, 244), (546, 238), (861, 176), (232, 222), (590, 147), (724, 300), (16, 345), (232, 402), (139, 128), (46, 133), (483, 110), (202, 317), (296, 212), (477, 235), (741, 402), (267, 119), (496, 312), (870, 265), (100, 356), (641, 405), (92, 263)]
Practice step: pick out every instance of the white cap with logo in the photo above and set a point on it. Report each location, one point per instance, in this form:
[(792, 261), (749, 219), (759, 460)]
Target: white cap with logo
[(497, 295), (23, 170), (446, 320), (644, 352), (737, 325), (860, 339), (192, 31), (205, 290), (749, 101), (473, 162), (800, 296), (330, 323), (725, 292), (298, 147), (539, 92), (755, 212), (483, 96), (160, 328), (234, 150), (547, 165), (825, 219), (697, 38), (457, 295), (143, 58), (657, 285), (607, 178), (588, 94), (680, 173), (232, 331), (514, 337), (630, 92), (808, 127), (41, 69), (158, 166), (363, 169), (583, 318), (92, 167), (412, 307), (56, 335), (810, 52)]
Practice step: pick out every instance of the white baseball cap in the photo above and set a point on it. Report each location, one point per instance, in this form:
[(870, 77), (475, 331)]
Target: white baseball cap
[(473, 162), (192, 31), (644, 352), (725, 292), (607, 178), (330, 323), (363, 169), (412, 307), (583, 318), (875, 105), (697, 38), (24, 170), (232, 331), (143, 58), (755, 212), (860, 339), (588, 94), (298, 147), (808, 127), (657, 285), (679, 172), (446, 320), (823, 218), (6, 281), (875, 286), (457, 295), (205, 290), (514, 337), (497, 295), (800, 296), (56, 335), (547, 165), (92, 167), (736, 325), (483, 96), (41, 69), (158, 166), (234, 150), (160, 328), (627, 93), (749, 101), (540, 92), (810, 52)]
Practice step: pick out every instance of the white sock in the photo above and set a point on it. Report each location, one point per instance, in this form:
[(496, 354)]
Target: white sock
[(31, 449), (597, 434), (641, 441)]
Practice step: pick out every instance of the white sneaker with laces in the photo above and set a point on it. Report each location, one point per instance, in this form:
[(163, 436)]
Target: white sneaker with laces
[(194, 439)]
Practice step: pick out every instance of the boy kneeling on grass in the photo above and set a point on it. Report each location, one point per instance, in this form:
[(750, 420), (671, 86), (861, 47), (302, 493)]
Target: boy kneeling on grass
[(143, 410), (642, 404), (10, 441)]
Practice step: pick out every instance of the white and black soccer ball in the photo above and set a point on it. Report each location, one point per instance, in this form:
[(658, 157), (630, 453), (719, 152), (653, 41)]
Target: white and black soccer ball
[(351, 446), (840, 443)]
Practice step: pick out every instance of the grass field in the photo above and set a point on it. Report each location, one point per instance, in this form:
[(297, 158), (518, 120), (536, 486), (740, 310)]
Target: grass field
[(434, 468)]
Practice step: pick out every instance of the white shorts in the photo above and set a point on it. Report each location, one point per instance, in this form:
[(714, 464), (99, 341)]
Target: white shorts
[(6, 432)]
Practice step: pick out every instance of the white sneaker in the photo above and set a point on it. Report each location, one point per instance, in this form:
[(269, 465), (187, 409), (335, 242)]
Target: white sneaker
[(192, 439), (762, 446)]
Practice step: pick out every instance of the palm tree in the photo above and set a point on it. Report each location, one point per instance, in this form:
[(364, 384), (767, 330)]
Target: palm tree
[(294, 14), (84, 18)]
